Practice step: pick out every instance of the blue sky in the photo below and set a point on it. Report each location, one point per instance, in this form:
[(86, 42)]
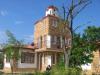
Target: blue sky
[(19, 16)]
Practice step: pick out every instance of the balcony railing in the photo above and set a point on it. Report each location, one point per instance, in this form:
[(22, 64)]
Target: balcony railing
[(51, 44)]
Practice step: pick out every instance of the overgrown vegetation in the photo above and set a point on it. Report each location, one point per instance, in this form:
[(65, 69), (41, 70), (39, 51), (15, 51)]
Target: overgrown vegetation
[(1, 60), (84, 45), (70, 12), (12, 49)]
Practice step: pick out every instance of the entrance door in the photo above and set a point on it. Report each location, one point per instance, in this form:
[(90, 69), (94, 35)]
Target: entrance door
[(49, 60)]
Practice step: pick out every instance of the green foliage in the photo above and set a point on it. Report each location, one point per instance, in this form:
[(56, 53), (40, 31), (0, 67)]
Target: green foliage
[(60, 70), (11, 37), (1, 57), (12, 47), (83, 46), (92, 36)]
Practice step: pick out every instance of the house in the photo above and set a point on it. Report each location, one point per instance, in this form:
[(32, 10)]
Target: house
[(48, 44)]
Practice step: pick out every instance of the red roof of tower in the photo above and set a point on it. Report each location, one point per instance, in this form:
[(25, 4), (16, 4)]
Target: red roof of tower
[(52, 7)]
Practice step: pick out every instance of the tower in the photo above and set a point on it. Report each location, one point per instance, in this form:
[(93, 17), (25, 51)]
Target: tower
[(51, 10), (49, 39)]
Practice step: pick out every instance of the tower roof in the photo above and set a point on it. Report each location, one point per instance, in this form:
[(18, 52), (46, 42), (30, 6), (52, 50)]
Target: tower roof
[(52, 7)]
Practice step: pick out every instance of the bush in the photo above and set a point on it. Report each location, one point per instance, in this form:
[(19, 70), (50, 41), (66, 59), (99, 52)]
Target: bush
[(38, 73), (62, 71)]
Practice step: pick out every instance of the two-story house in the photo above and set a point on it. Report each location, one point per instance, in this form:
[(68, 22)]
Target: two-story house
[(48, 40)]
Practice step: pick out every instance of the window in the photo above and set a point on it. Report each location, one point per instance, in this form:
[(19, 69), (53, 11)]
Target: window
[(27, 57), (54, 23), (45, 40), (54, 39), (58, 42), (50, 12), (39, 42), (48, 42)]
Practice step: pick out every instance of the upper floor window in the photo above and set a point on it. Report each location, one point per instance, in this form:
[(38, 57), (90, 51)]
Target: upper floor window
[(45, 40), (39, 42), (58, 42), (54, 39), (54, 23)]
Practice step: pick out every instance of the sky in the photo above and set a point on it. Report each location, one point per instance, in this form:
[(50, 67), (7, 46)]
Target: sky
[(19, 16)]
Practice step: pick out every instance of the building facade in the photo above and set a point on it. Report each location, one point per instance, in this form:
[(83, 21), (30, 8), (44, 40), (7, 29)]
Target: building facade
[(95, 66), (49, 39), (48, 45)]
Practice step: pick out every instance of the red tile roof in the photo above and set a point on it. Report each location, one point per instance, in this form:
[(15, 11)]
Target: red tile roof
[(52, 7), (29, 47)]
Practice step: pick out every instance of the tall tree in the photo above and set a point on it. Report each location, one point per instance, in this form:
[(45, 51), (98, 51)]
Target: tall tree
[(72, 11), (12, 48)]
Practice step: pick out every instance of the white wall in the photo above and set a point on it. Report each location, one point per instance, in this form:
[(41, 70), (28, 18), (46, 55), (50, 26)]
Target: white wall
[(51, 12), (22, 65), (86, 67), (6, 64)]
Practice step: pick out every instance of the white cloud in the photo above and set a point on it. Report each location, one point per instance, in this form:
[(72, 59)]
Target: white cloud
[(3, 12), (19, 22)]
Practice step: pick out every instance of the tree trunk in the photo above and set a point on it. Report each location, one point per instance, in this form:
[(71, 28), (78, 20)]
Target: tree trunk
[(66, 57)]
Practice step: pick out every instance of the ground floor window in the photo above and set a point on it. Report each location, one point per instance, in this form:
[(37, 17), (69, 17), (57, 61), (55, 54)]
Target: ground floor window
[(27, 57)]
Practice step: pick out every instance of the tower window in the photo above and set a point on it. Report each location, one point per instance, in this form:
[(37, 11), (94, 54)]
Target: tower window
[(39, 42), (54, 23), (50, 12)]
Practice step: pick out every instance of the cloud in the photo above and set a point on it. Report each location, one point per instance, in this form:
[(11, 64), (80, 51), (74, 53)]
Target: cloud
[(3, 12), (3, 37), (19, 22)]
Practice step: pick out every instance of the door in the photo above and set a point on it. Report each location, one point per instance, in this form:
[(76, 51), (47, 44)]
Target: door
[(49, 60)]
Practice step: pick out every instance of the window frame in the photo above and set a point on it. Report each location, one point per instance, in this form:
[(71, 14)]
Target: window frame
[(27, 57)]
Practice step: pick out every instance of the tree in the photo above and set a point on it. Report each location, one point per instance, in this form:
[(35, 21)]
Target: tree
[(12, 49), (72, 11), (83, 46)]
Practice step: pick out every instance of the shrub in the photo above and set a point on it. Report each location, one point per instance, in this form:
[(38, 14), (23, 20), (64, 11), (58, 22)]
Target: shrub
[(62, 71)]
